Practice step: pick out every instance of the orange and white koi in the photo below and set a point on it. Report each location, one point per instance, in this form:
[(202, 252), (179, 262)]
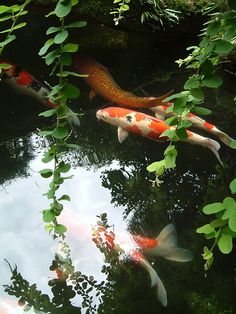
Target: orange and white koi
[(128, 120), (26, 83), (135, 247), (160, 113), (103, 84)]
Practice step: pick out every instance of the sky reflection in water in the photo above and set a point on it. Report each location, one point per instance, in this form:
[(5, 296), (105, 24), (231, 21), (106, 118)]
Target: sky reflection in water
[(24, 241)]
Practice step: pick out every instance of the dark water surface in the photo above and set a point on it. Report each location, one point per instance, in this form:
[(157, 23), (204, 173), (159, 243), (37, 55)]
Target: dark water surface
[(111, 178)]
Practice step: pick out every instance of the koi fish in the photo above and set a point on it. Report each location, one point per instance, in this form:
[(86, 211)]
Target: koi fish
[(160, 113), (135, 247), (128, 120), (103, 84), (26, 83)]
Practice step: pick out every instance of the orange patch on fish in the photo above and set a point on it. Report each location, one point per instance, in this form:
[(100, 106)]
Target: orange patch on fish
[(208, 125), (134, 129), (138, 116), (137, 256), (145, 243), (24, 78)]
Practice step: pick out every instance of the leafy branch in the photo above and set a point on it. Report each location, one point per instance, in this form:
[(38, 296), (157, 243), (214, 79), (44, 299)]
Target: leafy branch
[(60, 57)]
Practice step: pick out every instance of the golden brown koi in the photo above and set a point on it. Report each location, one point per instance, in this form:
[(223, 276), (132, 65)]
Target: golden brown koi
[(103, 84)]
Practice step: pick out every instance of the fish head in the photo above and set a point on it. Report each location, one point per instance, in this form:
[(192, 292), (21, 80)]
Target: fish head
[(108, 115)]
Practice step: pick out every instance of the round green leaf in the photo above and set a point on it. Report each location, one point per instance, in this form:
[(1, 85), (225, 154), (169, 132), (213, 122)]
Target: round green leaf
[(232, 222), (198, 93), (71, 91), (233, 186), (48, 216), (229, 203), (213, 81), (213, 208), (70, 47), (206, 229), (225, 243), (60, 132), (223, 46), (60, 229), (46, 173), (213, 28), (61, 37), (63, 8)]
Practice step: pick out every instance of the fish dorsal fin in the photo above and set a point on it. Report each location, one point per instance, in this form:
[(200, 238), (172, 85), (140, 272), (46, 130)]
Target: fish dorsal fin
[(122, 134), (92, 94)]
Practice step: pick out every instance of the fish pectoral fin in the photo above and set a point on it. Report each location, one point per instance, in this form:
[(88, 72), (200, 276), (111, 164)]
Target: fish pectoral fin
[(92, 94), (122, 134), (160, 116)]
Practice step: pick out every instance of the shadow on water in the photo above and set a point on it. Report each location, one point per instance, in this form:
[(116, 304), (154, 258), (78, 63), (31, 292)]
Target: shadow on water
[(139, 64)]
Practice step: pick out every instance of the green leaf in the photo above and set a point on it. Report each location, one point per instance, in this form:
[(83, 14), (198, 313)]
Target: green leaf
[(63, 8), (179, 104), (70, 47), (48, 113), (217, 223), (169, 134), (182, 133), (213, 208), (51, 56), (48, 216), (233, 186), (64, 197), (223, 47), (233, 144), (45, 133), (232, 222), (46, 46), (60, 132), (206, 229), (61, 37), (229, 203), (170, 160), (192, 82), (172, 121), (52, 30), (207, 254), (77, 24), (232, 4), (66, 59), (4, 9), (185, 124), (213, 28), (198, 93), (154, 166), (20, 25), (60, 229), (71, 91), (46, 173), (74, 146), (63, 167), (213, 81), (201, 110), (207, 68), (225, 243)]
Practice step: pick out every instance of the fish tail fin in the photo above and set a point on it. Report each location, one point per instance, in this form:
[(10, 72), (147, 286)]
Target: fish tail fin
[(225, 138), (72, 118), (209, 143), (167, 246), (156, 281), (157, 101)]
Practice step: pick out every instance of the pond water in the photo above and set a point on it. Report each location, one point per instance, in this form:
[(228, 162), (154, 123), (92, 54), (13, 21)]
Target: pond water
[(111, 178)]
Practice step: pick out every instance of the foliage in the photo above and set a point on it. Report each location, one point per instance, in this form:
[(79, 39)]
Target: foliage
[(121, 7), (13, 14), (157, 10), (223, 228), (57, 51), (217, 41)]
